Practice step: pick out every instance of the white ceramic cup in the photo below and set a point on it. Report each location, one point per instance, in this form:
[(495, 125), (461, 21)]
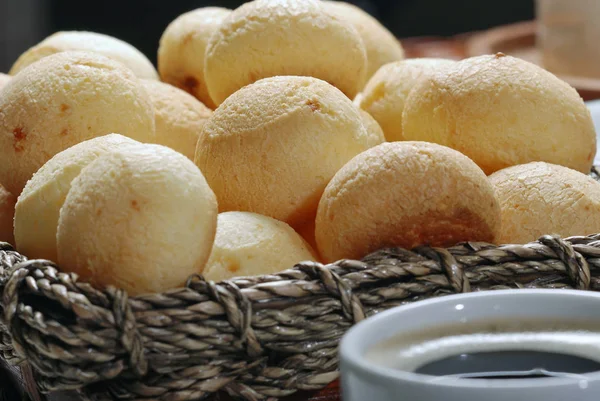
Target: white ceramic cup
[(363, 380)]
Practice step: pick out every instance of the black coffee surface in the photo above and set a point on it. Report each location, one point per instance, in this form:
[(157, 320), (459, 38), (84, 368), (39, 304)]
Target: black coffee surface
[(510, 365), (494, 348)]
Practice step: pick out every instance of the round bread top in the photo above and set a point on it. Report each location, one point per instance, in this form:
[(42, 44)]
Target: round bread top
[(266, 38), (249, 244), (64, 99), (502, 111), (179, 117), (182, 47), (405, 194), (541, 198), (272, 147), (105, 45), (381, 45)]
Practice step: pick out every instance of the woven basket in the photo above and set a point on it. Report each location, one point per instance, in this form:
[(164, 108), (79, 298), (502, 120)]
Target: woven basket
[(257, 338)]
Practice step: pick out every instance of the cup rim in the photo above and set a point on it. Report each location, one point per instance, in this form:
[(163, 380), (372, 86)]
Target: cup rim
[(351, 353)]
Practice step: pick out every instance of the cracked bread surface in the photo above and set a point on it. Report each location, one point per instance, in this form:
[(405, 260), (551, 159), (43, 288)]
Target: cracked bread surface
[(502, 111), (272, 147), (62, 100), (182, 47), (542, 198), (250, 244), (405, 194), (179, 117), (105, 45), (141, 218), (38, 206), (385, 94), (266, 38)]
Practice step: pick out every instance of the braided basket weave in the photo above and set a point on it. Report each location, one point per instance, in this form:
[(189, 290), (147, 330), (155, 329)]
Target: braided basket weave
[(257, 338)]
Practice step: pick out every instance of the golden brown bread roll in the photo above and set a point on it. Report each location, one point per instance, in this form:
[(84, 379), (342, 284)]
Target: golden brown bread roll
[(502, 111), (405, 194), (105, 45), (272, 147), (64, 99), (385, 94), (179, 117), (249, 244), (141, 218), (541, 198), (38, 206), (266, 38), (182, 47)]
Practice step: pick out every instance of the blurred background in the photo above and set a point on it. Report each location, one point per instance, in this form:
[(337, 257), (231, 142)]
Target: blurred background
[(23, 23)]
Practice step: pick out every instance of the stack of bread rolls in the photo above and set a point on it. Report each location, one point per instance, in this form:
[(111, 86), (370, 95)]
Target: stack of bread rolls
[(279, 132)]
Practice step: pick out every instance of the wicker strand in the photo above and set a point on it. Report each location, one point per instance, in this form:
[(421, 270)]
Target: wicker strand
[(351, 305), (257, 338), (129, 336), (239, 314), (452, 269), (577, 267)]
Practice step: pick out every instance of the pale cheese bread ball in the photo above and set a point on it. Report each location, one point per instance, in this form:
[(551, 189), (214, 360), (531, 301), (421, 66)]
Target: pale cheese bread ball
[(541, 198), (385, 94), (502, 111), (374, 131), (182, 47), (4, 79), (266, 38), (272, 147), (381, 45), (405, 194), (249, 244), (38, 207), (142, 219), (7, 213), (179, 117), (105, 45), (62, 100)]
